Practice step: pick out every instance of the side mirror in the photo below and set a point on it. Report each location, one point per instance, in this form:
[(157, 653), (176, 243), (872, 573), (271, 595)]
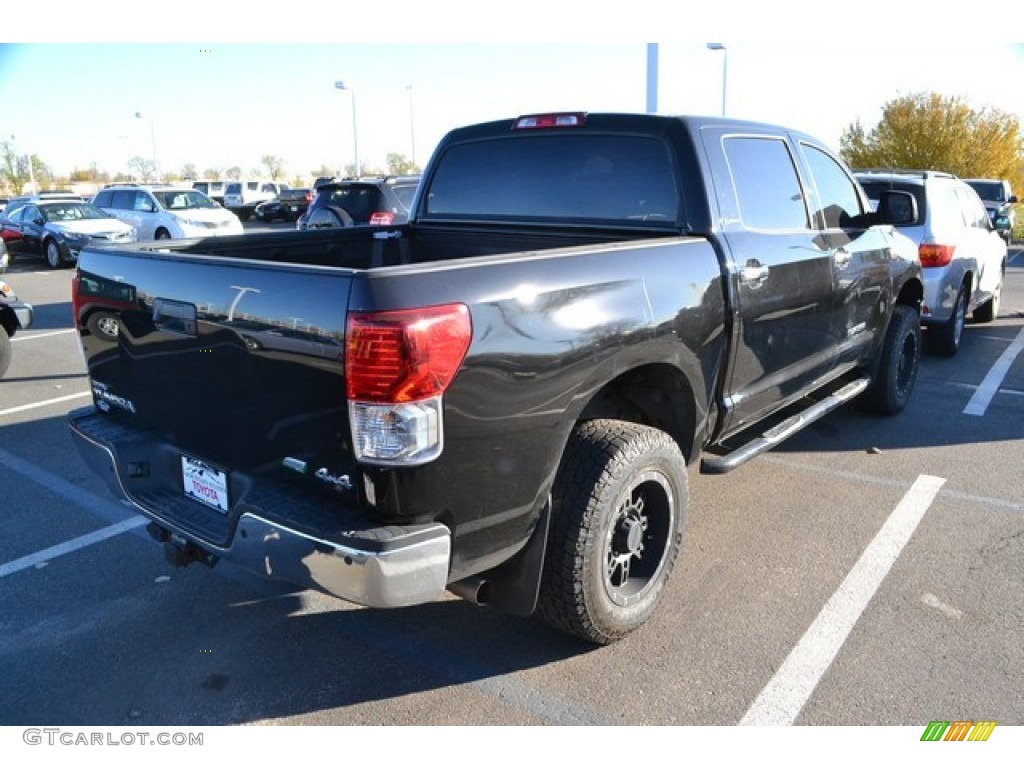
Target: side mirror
[(39, 221), (1013, 199), (896, 208)]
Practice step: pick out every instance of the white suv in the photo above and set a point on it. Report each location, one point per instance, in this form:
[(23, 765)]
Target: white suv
[(963, 256), (162, 211)]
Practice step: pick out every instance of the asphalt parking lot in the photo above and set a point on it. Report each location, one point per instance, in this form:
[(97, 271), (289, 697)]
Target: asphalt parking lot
[(867, 572)]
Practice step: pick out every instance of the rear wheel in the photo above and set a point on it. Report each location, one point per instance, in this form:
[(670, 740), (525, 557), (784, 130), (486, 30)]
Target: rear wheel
[(619, 504), (162, 234), (898, 361), (945, 339)]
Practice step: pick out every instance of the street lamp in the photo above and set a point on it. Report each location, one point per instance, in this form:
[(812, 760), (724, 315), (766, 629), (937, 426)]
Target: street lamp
[(340, 85), (412, 127), (152, 139), (725, 64)]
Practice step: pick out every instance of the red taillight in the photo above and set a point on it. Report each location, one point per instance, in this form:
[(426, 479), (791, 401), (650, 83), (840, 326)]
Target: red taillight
[(554, 120), (933, 255), (381, 218), (309, 196), (405, 355)]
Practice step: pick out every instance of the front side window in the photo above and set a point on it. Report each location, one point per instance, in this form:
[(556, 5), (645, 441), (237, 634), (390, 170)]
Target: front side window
[(104, 198), (838, 201), (768, 190)]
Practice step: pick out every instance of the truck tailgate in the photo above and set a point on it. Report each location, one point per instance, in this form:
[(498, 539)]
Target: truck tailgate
[(238, 361)]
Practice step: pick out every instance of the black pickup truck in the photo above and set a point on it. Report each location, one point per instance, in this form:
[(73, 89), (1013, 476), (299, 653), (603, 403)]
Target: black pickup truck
[(501, 397)]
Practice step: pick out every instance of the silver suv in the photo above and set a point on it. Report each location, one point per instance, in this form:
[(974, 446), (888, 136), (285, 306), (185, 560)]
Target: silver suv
[(963, 256)]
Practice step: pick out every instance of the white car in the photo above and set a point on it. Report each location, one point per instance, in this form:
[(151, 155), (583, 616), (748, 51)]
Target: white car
[(962, 255), (162, 211)]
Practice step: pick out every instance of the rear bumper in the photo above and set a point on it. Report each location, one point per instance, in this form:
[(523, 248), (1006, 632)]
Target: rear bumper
[(271, 530)]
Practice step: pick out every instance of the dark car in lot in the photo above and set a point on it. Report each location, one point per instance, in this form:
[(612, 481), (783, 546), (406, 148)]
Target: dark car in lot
[(289, 205), (58, 229), (383, 201)]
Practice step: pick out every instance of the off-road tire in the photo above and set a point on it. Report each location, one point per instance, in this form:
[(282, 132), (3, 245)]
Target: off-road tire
[(619, 508), (898, 362)]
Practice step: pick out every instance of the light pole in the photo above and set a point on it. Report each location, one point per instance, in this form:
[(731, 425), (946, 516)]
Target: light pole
[(725, 64), (412, 127), (340, 85), (152, 139)]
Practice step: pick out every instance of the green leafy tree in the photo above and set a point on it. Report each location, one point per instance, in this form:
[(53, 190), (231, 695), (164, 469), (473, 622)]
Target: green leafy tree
[(928, 131)]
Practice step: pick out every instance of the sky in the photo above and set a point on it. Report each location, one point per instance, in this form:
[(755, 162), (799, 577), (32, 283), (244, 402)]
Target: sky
[(265, 91)]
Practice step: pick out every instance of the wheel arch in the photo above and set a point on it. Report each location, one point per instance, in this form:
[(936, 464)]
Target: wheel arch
[(657, 395)]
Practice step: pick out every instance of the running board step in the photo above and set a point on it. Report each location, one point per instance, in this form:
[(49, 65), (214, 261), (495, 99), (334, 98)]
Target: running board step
[(718, 465)]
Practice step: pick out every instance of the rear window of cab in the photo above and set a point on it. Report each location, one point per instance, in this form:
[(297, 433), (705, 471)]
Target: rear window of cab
[(566, 177)]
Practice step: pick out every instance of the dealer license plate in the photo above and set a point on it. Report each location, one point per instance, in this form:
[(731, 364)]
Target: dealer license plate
[(205, 483)]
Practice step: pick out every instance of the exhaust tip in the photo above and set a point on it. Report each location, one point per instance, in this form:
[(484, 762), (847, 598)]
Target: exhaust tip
[(474, 590)]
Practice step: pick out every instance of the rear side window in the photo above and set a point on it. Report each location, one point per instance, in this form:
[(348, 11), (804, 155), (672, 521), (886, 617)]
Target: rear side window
[(767, 187), (103, 199), (606, 177)]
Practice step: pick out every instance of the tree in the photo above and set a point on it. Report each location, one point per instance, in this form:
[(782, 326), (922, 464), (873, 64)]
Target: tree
[(400, 165), (234, 173), (14, 169), (275, 166), (322, 171), (212, 173), (188, 171), (928, 131), (142, 167)]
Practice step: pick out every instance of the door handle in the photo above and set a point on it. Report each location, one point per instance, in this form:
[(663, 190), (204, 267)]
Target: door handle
[(754, 274)]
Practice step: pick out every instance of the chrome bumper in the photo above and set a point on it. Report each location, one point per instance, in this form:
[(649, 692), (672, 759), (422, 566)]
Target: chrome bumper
[(380, 567)]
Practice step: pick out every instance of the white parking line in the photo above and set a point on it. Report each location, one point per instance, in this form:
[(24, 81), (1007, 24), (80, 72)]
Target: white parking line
[(44, 403), (43, 556), (990, 384), (28, 337), (788, 691)]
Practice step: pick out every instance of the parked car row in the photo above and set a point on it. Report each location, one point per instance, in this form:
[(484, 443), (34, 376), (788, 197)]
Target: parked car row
[(962, 251), (57, 226)]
